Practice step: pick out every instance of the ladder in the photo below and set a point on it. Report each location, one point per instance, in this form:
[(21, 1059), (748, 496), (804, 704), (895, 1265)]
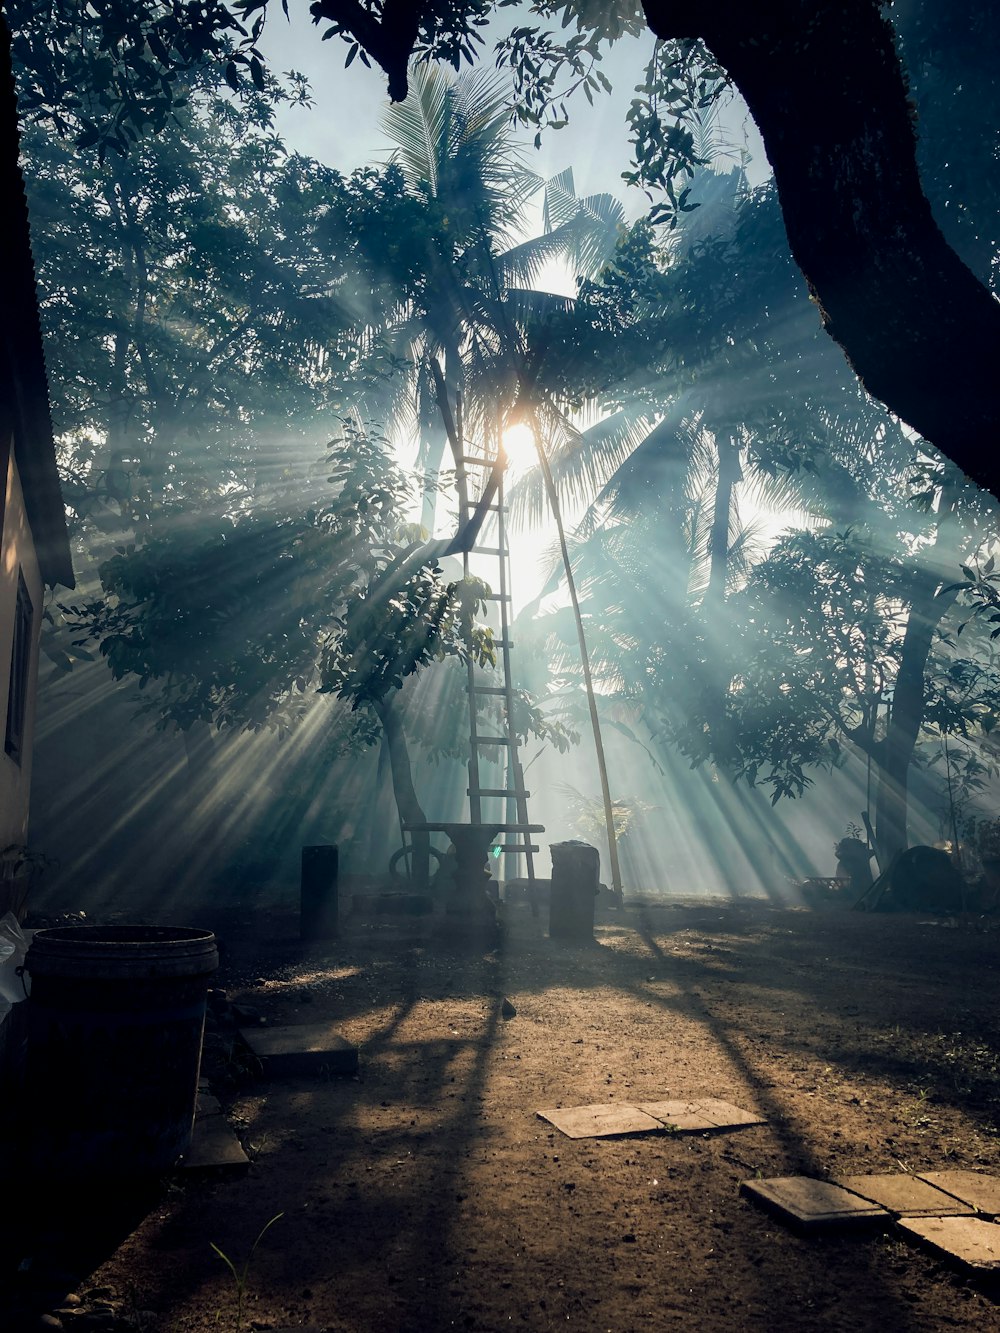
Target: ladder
[(502, 739), (487, 472)]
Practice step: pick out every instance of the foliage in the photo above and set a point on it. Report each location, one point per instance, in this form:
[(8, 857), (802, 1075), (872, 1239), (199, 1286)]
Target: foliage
[(230, 621), (588, 814), (801, 661), (682, 85), (182, 324), (107, 74), (819, 657)]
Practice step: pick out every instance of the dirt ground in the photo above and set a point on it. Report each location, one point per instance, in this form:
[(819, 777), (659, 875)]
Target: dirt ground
[(426, 1195)]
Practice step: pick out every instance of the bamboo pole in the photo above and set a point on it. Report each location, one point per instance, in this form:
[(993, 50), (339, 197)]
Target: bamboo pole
[(595, 722)]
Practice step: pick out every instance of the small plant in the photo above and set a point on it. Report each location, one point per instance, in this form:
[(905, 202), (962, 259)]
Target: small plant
[(240, 1275), (20, 871)]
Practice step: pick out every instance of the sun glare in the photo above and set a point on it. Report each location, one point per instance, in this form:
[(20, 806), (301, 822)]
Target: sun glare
[(519, 446)]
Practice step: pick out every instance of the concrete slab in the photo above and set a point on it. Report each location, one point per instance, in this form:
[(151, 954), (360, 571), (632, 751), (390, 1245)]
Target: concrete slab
[(306, 1048), (969, 1241), (701, 1113), (682, 1117), (214, 1146), (907, 1196), (980, 1191), (813, 1203), (601, 1121), (206, 1104)]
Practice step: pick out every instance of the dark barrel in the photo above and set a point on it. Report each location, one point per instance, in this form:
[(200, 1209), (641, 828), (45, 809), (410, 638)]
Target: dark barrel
[(319, 910), (115, 1025), (576, 873)]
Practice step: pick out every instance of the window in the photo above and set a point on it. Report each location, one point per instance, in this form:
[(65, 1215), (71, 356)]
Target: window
[(20, 662)]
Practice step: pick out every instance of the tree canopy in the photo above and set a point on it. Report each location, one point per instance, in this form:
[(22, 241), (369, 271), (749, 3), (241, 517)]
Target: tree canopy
[(823, 80)]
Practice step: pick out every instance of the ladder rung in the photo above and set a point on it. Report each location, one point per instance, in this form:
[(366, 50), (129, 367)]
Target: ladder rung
[(495, 597), (503, 643), (516, 847), (490, 689), (493, 740), (494, 791), (487, 550), (477, 461)]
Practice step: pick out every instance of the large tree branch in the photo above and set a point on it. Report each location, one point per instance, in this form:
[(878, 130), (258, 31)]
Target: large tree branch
[(390, 43), (824, 84)]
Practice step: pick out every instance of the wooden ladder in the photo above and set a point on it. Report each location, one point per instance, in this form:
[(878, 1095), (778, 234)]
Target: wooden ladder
[(516, 823), (472, 516)]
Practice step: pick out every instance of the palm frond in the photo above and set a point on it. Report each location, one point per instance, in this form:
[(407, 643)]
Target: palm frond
[(581, 461), (416, 127)]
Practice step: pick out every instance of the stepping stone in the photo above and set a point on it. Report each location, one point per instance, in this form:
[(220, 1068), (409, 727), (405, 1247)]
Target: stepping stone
[(205, 1104), (813, 1203), (981, 1192), (968, 1240), (214, 1146), (906, 1195), (601, 1121), (306, 1048), (704, 1113)]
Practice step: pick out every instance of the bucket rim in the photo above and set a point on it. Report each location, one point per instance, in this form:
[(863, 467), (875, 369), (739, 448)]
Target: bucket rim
[(124, 936), (116, 953)]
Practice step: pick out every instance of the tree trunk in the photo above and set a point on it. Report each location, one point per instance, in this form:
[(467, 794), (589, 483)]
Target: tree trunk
[(730, 474), (715, 680), (824, 84), (410, 810), (894, 753)]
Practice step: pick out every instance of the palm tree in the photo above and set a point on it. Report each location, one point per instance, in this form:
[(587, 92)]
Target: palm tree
[(474, 295), (464, 325)]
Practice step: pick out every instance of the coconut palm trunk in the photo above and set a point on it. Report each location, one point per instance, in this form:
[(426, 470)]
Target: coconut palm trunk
[(588, 682)]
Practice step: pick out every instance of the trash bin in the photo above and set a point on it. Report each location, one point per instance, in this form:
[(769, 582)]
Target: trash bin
[(116, 1017), (576, 873), (319, 898)]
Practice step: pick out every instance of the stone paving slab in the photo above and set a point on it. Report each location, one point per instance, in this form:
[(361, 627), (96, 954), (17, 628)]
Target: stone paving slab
[(970, 1241), (813, 1203), (206, 1104), (600, 1121), (702, 1113), (980, 1191), (904, 1195), (214, 1146), (306, 1048)]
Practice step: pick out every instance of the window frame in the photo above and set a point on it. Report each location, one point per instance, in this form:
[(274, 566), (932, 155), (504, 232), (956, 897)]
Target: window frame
[(20, 670)]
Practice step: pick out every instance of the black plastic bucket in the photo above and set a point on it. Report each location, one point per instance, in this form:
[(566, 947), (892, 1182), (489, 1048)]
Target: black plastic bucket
[(115, 1025)]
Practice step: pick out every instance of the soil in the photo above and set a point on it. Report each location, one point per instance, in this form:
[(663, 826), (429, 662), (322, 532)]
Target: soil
[(426, 1194)]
